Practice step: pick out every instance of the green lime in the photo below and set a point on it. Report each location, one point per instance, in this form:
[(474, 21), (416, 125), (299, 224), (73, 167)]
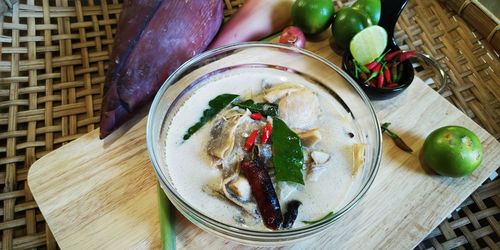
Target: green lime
[(370, 7), (347, 23), (312, 16), (452, 151), (368, 44)]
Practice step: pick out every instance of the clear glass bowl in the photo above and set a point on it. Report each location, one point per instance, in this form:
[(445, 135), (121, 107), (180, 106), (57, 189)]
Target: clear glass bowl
[(281, 60)]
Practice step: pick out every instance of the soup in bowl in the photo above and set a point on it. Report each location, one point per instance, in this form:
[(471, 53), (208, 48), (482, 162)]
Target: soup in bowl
[(263, 144)]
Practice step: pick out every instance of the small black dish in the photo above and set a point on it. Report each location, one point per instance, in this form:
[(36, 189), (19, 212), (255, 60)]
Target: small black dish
[(391, 9)]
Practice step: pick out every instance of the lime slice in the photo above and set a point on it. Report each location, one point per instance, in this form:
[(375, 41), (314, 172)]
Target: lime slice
[(368, 44)]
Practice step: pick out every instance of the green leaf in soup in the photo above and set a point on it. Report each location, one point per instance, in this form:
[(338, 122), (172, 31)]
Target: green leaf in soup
[(215, 106), (266, 109), (288, 158), (330, 214)]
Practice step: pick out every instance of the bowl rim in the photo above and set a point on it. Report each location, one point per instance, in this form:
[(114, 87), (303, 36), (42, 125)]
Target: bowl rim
[(179, 73)]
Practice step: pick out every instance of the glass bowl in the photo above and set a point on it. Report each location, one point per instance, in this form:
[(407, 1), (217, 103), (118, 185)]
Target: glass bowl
[(286, 63)]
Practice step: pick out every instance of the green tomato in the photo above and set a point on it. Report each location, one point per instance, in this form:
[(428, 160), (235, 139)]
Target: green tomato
[(347, 23), (452, 151), (312, 16), (370, 7)]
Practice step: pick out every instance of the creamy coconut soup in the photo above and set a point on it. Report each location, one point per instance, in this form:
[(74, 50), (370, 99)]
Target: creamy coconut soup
[(263, 151)]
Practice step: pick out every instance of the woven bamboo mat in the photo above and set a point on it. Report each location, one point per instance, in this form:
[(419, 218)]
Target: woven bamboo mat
[(474, 70), (478, 16), (53, 57)]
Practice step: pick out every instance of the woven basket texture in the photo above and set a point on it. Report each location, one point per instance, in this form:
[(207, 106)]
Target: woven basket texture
[(53, 59), (479, 17)]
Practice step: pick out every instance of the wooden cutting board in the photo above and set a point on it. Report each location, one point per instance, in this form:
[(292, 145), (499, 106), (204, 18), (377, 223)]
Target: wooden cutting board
[(98, 194)]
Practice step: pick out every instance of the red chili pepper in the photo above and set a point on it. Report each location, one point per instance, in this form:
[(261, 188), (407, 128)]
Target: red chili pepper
[(406, 55), (250, 141), (393, 54), (375, 72), (391, 85), (387, 75), (373, 75), (256, 116), (377, 68), (372, 65), (364, 69), (266, 133), (372, 83), (380, 81)]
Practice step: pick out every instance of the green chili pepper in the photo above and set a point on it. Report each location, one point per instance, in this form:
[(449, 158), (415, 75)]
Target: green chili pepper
[(356, 70), (394, 72), (363, 68), (397, 140), (379, 58), (373, 75), (375, 72), (400, 73)]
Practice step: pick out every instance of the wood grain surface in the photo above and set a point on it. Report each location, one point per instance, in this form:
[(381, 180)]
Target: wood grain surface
[(102, 194)]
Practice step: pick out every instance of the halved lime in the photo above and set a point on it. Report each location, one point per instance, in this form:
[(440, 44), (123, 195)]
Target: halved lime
[(368, 44)]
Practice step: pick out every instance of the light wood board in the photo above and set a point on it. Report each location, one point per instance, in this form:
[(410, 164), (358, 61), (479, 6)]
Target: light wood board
[(98, 194)]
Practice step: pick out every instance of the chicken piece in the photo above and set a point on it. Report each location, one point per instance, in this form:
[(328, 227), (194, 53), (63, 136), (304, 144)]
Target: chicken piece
[(314, 172), (285, 189), (229, 165), (226, 189), (240, 188), (223, 134), (319, 158), (309, 137), (299, 109), (315, 168), (235, 155), (237, 189), (276, 92)]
